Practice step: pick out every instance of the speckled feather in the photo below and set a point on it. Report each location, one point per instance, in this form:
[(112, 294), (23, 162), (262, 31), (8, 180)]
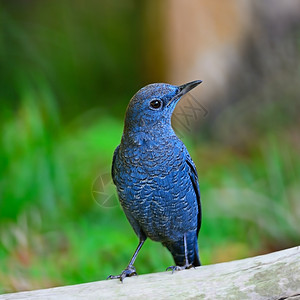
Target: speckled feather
[(156, 179)]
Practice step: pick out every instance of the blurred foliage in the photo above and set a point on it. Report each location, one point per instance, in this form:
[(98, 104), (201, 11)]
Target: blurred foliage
[(84, 51), (64, 86)]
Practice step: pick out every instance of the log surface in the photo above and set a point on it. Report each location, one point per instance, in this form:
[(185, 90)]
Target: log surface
[(271, 276)]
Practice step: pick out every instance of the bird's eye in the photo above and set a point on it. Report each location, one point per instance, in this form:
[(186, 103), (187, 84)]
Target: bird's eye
[(156, 104)]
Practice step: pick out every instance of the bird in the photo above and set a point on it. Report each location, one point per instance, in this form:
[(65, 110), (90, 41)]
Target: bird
[(156, 178)]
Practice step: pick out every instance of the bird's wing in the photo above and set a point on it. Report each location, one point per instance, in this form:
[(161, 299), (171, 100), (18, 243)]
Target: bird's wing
[(194, 178), (113, 165)]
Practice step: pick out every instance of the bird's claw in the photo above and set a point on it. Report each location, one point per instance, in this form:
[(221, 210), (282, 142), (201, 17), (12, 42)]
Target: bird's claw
[(179, 268), (128, 272)]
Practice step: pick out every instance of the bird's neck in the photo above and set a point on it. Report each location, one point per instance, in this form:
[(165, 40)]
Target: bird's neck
[(145, 135)]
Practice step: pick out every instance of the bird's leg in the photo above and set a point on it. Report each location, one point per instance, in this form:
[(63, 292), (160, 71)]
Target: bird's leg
[(130, 269), (186, 265)]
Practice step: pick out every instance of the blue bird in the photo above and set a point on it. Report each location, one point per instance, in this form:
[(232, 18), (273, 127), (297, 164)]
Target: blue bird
[(156, 179)]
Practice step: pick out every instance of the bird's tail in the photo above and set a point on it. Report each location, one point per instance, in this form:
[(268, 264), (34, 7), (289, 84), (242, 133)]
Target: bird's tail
[(197, 261), (178, 252)]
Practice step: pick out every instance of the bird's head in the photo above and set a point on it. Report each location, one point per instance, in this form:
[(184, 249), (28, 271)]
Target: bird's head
[(153, 105)]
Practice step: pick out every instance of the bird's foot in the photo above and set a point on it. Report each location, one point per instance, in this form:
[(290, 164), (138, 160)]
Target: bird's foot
[(179, 268), (128, 272)]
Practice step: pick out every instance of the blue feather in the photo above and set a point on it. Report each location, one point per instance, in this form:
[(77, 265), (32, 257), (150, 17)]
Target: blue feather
[(156, 179)]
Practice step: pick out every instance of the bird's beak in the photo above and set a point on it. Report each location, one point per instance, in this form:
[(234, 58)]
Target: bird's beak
[(183, 89)]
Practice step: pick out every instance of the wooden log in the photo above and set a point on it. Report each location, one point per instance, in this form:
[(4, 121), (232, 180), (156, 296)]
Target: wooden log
[(271, 276)]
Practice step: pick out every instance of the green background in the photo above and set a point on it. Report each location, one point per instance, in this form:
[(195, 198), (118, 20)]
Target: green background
[(67, 72)]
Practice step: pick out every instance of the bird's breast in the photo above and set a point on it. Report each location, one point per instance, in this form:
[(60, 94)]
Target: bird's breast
[(154, 186)]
